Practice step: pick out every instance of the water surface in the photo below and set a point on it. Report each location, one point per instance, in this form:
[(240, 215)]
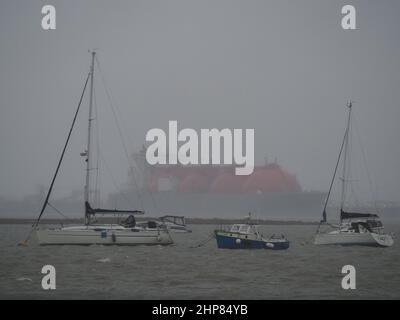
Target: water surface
[(304, 271)]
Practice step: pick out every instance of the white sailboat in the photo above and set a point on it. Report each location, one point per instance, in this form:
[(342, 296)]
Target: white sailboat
[(355, 228), (126, 233)]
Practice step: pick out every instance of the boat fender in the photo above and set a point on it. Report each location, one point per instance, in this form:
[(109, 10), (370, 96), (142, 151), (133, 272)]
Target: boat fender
[(269, 245), (114, 237), (238, 241), (159, 238)]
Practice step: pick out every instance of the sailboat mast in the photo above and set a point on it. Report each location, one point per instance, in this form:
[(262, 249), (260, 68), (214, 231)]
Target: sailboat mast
[(345, 159), (344, 142), (89, 138)]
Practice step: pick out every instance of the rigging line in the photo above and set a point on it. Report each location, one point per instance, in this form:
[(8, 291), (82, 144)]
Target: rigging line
[(62, 154), (374, 195), (354, 195), (97, 179), (334, 175), (352, 199), (113, 179), (113, 108), (109, 96), (58, 211), (346, 158), (134, 168), (348, 180)]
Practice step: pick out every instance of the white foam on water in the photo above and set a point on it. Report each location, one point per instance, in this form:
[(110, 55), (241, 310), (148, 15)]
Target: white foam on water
[(24, 279)]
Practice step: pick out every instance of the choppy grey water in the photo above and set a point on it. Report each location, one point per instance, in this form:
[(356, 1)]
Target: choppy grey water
[(304, 271)]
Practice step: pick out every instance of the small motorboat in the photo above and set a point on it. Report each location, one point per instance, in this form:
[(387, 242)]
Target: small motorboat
[(174, 224), (247, 236)]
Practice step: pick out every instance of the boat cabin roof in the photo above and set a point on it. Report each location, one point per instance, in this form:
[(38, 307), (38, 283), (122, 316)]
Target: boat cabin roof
[(180, 220), (244, 228)]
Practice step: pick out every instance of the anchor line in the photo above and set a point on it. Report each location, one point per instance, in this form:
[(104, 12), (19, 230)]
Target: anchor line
[(204, 242)]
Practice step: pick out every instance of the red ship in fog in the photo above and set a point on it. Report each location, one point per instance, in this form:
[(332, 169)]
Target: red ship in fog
[(221, 179), (215, 191)]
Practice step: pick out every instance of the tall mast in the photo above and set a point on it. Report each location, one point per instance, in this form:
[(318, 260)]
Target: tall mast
[(349, 105), (88, 158), (344, 141)]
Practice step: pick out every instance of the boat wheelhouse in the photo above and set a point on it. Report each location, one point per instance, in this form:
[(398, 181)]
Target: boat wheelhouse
[(175, 223)]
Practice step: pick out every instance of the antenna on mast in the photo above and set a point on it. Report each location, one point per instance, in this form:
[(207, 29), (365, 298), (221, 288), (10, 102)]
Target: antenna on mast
[(350, 104)]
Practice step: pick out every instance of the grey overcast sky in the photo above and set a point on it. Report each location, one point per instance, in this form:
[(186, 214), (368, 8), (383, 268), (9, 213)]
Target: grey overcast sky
[(285, 68)]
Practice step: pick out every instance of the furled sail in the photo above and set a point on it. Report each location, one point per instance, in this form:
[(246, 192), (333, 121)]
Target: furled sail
[(90, 211), (353, 215)]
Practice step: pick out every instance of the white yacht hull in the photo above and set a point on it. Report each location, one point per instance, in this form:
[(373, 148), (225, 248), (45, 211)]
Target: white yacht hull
[(111, 236), (352, 238)]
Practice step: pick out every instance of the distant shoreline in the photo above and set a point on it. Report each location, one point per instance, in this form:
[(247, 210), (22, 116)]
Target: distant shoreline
[(212, 221)]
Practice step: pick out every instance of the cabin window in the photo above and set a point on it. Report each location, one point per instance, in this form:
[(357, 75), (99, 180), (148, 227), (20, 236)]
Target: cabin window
[(244, 229)]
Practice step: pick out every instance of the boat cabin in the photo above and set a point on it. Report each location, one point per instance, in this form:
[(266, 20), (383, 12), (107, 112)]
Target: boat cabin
[(244, 229), (361, 222), (176, 220)]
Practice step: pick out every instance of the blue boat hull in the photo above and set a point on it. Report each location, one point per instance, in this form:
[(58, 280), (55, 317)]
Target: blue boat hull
[(231, 242)]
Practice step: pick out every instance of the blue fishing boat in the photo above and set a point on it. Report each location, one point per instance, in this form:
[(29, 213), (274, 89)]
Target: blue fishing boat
[(247, 236)]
